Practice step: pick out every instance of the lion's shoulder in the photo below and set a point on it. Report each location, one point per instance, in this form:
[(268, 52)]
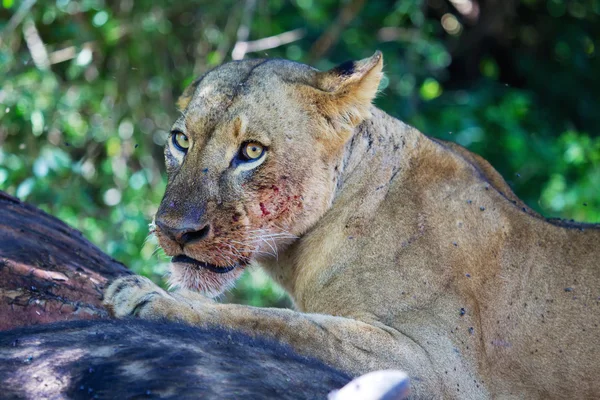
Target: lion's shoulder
[(485, 170), (495, 180)]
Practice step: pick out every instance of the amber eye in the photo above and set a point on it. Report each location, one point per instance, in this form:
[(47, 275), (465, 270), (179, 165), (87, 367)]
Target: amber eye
[(252, 150), (181, 141)]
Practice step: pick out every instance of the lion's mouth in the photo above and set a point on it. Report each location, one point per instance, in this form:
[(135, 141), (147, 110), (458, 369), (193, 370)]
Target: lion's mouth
[(211, 267)]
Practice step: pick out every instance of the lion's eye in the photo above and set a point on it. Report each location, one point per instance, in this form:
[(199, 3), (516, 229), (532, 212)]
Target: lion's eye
[(252, 151), (181, 141)]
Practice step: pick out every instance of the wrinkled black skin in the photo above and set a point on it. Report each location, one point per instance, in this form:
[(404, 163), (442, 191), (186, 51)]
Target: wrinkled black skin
[(179, 362)]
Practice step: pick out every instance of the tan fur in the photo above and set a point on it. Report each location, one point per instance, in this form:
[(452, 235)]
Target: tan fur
[(399, 251)]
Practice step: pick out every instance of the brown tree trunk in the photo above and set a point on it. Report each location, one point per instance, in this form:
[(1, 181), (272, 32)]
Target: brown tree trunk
[(48, 271)]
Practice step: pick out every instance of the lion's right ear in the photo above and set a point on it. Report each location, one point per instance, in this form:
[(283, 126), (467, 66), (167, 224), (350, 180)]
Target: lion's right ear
[(344, 94), (186, 96)]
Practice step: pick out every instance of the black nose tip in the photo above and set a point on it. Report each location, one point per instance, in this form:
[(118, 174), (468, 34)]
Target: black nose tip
[(193, 235), (184, 235)]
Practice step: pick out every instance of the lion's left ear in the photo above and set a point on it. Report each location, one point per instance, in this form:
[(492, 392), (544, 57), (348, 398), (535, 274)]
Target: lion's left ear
[(345, 94)]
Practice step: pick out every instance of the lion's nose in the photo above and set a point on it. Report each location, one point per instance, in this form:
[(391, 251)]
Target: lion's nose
[(184, 235)]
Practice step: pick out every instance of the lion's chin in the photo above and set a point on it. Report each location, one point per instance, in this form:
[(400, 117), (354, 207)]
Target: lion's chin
[(212, 284)]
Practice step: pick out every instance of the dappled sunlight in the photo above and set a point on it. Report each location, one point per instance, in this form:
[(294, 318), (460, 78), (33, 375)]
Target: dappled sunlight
[(43, 366)]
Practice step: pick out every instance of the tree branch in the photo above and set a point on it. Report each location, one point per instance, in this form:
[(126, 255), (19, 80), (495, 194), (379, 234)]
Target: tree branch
[(243, 32), (16, 19), (330, 37), (271, 42)]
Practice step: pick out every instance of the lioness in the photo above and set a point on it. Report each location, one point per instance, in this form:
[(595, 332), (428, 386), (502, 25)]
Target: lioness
[(400, 251)]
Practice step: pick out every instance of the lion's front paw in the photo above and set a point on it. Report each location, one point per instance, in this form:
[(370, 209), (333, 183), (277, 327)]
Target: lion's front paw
[(138, 296)]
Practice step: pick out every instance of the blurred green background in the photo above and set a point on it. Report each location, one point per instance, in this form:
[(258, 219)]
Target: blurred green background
[(87, 92)]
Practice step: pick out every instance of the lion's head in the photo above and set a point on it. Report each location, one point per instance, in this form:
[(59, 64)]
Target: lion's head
[(253, 162)]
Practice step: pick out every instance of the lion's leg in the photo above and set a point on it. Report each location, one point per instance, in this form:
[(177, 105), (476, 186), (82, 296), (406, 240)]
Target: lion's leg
[(348, 344)]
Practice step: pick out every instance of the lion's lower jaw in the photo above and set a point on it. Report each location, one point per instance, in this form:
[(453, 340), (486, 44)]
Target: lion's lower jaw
[(201, 280)]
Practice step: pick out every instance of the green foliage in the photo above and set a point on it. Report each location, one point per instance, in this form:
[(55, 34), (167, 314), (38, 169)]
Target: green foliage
[(87, 93)]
